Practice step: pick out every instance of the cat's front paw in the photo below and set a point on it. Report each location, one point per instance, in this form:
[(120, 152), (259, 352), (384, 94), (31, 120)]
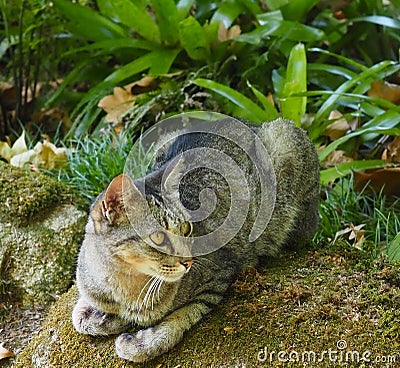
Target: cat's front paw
[(145, 344), (88, 320)]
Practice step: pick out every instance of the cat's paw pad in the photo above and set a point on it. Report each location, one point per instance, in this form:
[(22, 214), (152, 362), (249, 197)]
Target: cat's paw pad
[(90, 321), (142, 346)]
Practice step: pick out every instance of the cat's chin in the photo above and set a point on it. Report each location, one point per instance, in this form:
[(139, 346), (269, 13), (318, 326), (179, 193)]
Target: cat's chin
[(173, 278)]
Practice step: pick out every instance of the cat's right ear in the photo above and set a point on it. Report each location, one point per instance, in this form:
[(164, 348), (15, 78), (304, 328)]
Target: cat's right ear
[(110, 206)]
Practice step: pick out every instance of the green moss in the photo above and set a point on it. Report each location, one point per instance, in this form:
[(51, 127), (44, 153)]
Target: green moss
[(299, 303), (24, 194), (41, 227)]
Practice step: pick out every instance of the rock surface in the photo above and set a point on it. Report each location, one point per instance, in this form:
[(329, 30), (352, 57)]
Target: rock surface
[(335, 298), (41, 228)]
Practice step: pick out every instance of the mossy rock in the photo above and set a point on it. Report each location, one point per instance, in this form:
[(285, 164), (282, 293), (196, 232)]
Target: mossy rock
[(334, 299), (41, 228)]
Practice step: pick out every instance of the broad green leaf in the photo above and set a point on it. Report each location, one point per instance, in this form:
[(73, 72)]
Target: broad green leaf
[(193, 39), (378, 19), (297, 9), (227, 12), (330, 175), (183, 7), (167, 19), (252, 6), (268, 107), (293, 108), (133, 15), (293, 31), (393, 249), (266, 18), (342, 58), (332, 69), (107, 46), (162, 61), (245, 104), (87, 23), (299, 32), (371, 106), (382, 124), (326, 107), (255, 37), (276, 4)]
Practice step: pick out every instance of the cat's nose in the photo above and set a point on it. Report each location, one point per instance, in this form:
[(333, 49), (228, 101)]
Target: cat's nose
[(187, 264)]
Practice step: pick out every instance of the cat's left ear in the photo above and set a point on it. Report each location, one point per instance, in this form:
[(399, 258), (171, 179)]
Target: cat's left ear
[(112, 205)]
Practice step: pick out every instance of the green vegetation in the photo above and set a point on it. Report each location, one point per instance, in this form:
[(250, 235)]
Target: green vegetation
[(331, 67), (346, 208)]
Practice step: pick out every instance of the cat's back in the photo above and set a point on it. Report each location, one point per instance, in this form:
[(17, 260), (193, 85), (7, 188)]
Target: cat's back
[(295, 161), (294, 164)]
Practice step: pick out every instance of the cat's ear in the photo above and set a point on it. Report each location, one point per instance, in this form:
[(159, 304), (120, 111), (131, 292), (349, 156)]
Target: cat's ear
[(112, 204), (173, 177)]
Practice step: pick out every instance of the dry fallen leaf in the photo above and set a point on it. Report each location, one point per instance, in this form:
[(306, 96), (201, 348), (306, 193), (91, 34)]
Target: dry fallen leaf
[(386, 179), (339, 127), (7, 151), (5, 353), (124, 98), (44, 154), (116, 104), (353, 233), (336, 158), (8, 95), (392, 153), (225, 34), (146, 84), (385, 90)]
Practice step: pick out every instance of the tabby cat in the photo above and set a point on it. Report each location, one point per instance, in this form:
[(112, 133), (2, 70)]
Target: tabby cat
[(153, 277)]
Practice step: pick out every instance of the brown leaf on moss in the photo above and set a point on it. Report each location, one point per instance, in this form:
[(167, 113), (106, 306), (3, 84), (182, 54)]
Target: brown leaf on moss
[(44, 154), (385, 90), (392, 153), (5, 353), (386, 179)]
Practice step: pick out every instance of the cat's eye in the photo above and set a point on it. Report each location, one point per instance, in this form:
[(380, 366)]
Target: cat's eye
[(158, 238), (186, 228)]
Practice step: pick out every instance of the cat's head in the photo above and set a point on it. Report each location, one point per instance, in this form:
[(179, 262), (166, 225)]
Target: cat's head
[(138, 234)]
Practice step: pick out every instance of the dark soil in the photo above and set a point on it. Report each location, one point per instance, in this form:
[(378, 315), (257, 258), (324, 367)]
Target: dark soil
[(17, 326)]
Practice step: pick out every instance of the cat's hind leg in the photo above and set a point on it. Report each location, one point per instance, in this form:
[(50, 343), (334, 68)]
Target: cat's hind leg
[(89, 320)]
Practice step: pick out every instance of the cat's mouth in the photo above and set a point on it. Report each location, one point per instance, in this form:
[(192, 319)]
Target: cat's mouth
[(172, 273)]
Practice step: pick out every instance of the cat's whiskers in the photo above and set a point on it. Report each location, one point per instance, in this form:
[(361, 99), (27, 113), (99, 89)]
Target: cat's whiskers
[(152, 287), (159, 288), (139, 308), (156, 290), (150, 291)]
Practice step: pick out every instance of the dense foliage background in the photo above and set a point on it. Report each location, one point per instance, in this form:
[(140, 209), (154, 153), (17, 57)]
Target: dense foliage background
[(91, 75)]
